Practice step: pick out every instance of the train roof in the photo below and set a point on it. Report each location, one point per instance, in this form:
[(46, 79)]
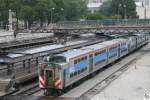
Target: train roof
[(121, 40), (78, 52), (109, 43), (95, 47), (74, 53)]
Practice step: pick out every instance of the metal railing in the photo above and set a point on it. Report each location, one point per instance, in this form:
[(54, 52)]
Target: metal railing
[(105, 22)]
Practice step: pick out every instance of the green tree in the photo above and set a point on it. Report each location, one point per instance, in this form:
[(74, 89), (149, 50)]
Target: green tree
[(75, 9), (15, 6), (27, 14), (50, 10), (125, 8), (69, 9), (4, 10), (42, 10), (95, 16), (105, 9)]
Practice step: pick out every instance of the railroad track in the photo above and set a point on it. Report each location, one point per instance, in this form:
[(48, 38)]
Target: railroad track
[(29, 90), (104, 83)]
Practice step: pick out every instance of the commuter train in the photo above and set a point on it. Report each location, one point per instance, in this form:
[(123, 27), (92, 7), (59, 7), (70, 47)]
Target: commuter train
[(62, 70)]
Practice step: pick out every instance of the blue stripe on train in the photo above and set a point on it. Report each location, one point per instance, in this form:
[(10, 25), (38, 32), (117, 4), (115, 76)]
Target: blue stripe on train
[(73, 68), (100, 57), (112, 52), (97, 58)]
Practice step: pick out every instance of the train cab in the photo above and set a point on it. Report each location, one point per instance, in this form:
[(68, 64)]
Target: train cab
[(51, 74)]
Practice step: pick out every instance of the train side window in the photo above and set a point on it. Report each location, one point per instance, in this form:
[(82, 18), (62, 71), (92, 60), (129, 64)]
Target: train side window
[(96, 54), (71, 75), (82, 58), (75, 73), (85, 57), (75, 62), (82, 70), (79, 71), (103, 51), (78, 61)]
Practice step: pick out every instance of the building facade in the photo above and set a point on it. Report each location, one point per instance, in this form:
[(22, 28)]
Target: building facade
[(143, 8), (94, 5)]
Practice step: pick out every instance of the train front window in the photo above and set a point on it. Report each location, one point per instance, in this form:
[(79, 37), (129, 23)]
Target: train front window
[(48, 77), (59, 59)]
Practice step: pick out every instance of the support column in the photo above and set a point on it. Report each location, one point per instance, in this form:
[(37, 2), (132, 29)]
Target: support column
[(29, 65), (9, 70), (24, 63), (14, 71), (37, 60)]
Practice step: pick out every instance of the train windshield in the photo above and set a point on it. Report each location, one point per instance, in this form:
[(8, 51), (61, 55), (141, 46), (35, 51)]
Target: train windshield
[(59, 59)]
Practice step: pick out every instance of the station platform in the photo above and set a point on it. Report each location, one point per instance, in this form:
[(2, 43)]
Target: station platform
[(133, 84), (9, 42), (9, 36)]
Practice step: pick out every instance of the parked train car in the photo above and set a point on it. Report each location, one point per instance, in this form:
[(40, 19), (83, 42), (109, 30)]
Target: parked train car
[(64, 69)]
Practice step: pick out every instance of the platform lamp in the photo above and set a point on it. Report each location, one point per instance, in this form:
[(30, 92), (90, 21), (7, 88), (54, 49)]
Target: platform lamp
[(62, 10), (125, 12), (118, 12), (52, 9)]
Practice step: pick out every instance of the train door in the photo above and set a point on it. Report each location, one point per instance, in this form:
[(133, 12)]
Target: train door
[(136, 39), (119, 50), (91, 62), (48, 78)]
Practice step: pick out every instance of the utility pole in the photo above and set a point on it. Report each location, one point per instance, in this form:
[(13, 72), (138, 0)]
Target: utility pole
[(10, 20), (145, 13), (125, 12)]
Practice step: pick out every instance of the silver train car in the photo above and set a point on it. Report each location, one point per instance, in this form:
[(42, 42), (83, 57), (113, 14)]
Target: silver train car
[(67, 68)]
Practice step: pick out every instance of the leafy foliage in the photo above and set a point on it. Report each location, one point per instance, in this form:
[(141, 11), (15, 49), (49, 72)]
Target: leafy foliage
[(41, 11), (119, 9), (95, 16), (125, 8)]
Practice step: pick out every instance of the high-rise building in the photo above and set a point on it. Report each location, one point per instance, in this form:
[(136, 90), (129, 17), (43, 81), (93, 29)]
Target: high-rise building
[(94, 5), (96, 1), (145, 2)]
